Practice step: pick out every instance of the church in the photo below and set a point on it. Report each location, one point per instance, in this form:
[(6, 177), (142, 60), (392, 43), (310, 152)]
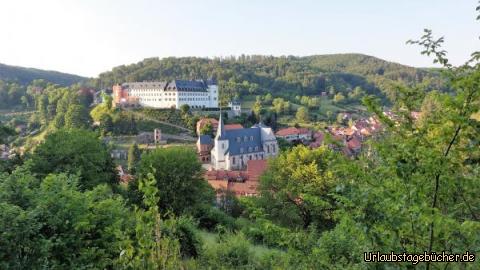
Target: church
[(233, 148)]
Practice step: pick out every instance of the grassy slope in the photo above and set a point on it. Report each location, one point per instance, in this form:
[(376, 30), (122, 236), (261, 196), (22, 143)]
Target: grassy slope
[(210, 239)]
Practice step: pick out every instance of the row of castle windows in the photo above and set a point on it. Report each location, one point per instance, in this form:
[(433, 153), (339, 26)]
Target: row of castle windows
[(154, 99), (145, 93), (194, 99)]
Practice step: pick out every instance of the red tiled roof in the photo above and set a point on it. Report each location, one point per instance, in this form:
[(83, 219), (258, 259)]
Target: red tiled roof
[(255, 168), (233, 126), (243, 189), (292, 131), (354, 143), (241, 183)]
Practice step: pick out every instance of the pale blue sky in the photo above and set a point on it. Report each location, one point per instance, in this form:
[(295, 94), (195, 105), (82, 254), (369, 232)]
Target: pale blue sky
[(88, 37)]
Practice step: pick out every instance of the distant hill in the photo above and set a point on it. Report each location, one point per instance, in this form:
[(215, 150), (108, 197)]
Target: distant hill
[(283, 76), (25, 76)]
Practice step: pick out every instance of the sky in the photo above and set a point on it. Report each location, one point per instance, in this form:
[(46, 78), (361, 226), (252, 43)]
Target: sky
[(87, 37)]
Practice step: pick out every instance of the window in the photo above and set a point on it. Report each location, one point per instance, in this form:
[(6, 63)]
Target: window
[(249, 149), (241, 149), (223, 146), (233, 160), (245, 138), (251, 138), (238, 139), (256, 148)]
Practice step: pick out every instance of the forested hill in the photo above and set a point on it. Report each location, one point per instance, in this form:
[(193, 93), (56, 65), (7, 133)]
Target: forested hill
[(25, 76), (287, 75)]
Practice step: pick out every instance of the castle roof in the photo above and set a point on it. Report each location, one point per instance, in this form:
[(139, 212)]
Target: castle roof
[(180, 85), (183, 85)]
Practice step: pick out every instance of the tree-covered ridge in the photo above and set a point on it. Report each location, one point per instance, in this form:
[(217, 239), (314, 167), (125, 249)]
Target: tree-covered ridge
[(25, 76), (284, 75)]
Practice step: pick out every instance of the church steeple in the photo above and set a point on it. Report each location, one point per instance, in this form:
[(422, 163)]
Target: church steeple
[(221, 129)]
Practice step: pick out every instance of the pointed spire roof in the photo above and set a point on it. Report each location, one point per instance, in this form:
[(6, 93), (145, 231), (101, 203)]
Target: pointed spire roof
[(221, 128)]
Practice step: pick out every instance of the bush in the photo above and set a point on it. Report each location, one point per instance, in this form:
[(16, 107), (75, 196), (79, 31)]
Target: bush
[(210, 217), (233, 252), (184, 230)]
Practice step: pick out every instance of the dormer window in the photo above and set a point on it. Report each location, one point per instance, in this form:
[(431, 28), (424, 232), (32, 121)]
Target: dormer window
[(241, 149), (256, 148), (245, 138), (238, 139), (251, 138), (249, 149)]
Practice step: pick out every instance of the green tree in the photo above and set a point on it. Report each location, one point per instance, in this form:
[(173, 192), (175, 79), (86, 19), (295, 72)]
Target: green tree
[(338, 98), (279, 105), (207, 129), (297, 187), (417, 189), (100, 111), (74, 151), (302, 115), (150, 248), (179, 178), (54, 225), (133, 157), (185, 109), (257, 109), (5, 132), (42, 104), (106, 125), (107, 101), (268, 99), (77, 117)]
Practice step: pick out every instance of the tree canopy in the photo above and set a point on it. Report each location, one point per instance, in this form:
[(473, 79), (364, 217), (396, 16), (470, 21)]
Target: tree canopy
[(74, 151), (179, 178)]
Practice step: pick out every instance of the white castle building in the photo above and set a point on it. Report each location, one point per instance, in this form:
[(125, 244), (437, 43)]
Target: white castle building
[(233, 148), (196, 94)]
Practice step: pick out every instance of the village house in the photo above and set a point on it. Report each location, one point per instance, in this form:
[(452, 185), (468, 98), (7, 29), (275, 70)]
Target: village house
[(119, 154), (204, 146), (292, 134), (214, 123), (236, 107)]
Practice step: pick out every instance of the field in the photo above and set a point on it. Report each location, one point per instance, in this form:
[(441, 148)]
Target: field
[(317, 115)]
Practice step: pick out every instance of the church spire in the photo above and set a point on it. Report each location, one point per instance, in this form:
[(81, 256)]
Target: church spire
[(221, 128)]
